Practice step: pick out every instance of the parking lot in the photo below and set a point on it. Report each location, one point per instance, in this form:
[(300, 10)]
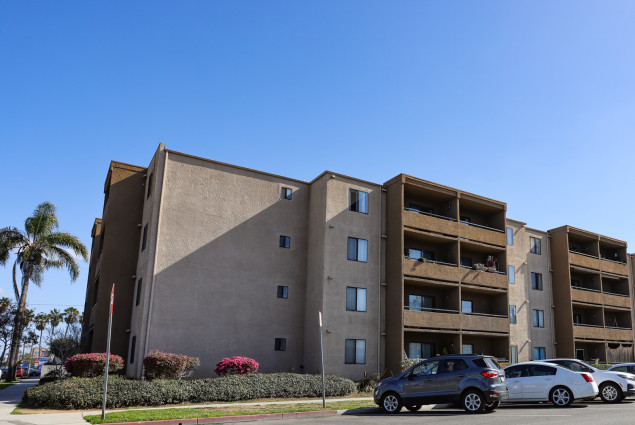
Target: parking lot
[(594, 412)]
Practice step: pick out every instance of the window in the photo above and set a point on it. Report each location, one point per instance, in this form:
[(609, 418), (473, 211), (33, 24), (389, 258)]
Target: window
[(535, 245), (357, 249), (138, 292), (355, 351), (420, 350), (539, 318), (286, 193), (280, 344), (512, 314), (427, 368), (514, 355), (285, 241), (144, 240), (466, 262), (420, 302), (417, 254), (536, 281), (467, 349), (540, 354), (96, 291), (132, 349), (452, 365), (577, 318), (355, 299), (511, 274), (465, 219), (283, 292), (359, 201), (149, 185), (541, 370), (510, 236), (466, 306), (421, 209)]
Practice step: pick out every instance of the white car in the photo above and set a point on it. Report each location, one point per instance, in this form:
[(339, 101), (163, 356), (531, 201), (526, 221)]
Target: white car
[(540, 381), (623, 367), (614, 386)]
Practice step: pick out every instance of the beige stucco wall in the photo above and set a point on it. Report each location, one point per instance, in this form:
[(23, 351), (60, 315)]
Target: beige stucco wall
[(523, 334)]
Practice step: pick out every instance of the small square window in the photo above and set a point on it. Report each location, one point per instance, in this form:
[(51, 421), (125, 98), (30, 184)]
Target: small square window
[(286, 193), (511, 274), (285, 241), (536, 281), (355, 351), (144, 240), (512, 314), (281, 344), (538, 318), (149, 185), (534, 245), (357, 249), (467, 349), (510, 236), (358, 201), (138, 292), (132, 349), (466, 306), (539, 353), (283, 292), (355, 299)]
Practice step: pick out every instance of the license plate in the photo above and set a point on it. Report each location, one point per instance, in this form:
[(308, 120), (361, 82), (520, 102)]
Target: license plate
[(502, 379)]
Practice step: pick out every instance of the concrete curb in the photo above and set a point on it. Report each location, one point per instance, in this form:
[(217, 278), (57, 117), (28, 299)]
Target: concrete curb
[(242, 418)]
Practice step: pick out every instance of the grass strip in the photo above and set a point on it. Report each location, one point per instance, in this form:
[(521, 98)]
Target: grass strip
[(212, 412), (4, 385)]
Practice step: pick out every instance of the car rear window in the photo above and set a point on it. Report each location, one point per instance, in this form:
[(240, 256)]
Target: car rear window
[(492, 363), (479, 363)]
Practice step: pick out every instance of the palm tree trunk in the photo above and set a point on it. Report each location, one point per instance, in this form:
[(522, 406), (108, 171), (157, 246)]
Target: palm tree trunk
[(18, 328), (39, 350)]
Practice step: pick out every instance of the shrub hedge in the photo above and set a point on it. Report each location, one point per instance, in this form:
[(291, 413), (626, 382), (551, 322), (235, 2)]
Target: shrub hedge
[(86, 393), (237, 365), (160, 365), (92, 364)]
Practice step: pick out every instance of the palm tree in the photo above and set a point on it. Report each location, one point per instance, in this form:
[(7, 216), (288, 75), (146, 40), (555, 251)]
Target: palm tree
[(38, 248), (71, 315), (55, 318), (41, 321)]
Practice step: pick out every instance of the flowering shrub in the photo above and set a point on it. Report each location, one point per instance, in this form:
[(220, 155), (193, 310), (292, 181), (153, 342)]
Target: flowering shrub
[(237, 365), (92, 364), (160, 365)]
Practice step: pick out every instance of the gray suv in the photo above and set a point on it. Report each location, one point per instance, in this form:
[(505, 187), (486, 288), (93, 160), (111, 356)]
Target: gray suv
[(476, 382)]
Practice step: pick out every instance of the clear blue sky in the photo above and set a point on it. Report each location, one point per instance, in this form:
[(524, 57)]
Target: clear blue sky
[(528, 102)]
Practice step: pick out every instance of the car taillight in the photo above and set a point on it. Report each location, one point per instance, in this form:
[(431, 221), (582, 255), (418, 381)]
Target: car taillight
[(489, 373), (587, 377)]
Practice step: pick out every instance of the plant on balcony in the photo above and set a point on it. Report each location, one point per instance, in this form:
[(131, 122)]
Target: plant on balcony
[(479, 266)]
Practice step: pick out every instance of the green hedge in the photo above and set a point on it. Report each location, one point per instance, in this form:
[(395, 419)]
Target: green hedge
[(86, 393)]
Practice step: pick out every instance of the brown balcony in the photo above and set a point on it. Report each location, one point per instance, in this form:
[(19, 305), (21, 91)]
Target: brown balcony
[(588, 331), (584, 260), (430, 222), (586, 296), (484, 322), (617, 300), (618, 334), (431, 270), (613, 267), (496, 280), (475, 232), (438, 319)]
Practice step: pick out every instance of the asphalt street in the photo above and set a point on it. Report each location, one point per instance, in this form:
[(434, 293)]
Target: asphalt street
[(589, 413)]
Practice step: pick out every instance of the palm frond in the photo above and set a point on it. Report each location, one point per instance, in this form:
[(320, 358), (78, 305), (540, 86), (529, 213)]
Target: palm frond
[(10, 239), (57, 254), (65, 240), (43, 221)]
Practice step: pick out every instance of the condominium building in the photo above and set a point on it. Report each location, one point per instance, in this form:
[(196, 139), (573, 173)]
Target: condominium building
[(214, 260), (592, 297)]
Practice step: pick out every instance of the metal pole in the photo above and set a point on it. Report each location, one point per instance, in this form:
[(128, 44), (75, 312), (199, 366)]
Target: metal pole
[(322, 360), (103, 402)]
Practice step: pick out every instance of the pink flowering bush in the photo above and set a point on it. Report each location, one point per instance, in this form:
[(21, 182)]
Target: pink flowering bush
[(92, 364), (160, 365), (237, 365)]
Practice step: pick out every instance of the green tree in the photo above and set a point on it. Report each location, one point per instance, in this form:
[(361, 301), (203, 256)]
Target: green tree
[(71, 316), (38, 248), (6, 321), (41, 320), (55, 318)]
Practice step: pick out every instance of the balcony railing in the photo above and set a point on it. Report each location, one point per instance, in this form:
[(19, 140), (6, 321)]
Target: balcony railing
[(434, 310), (481, 226), (485, 314), (573, 251), (416, 211), (582, 288), (423, 260), (616, 294), (481, 270), (613, 261), (618, 327), (588, 325)]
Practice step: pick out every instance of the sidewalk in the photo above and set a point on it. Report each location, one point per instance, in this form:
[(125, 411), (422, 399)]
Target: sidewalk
[(10, 397)]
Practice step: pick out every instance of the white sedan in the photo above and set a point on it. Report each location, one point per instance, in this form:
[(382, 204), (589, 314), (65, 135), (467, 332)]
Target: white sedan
[(539, 381)]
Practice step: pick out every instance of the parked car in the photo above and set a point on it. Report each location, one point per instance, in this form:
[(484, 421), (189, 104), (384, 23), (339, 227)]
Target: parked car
[(614, 386), (476, 382), (623, 367), (18, 372), (540, 381)]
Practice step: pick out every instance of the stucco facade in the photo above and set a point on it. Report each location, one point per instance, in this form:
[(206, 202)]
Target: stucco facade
[(214, 260)]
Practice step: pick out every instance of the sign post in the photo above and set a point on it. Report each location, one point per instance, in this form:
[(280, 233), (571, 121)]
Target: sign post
[(103, 402), (322, 360)]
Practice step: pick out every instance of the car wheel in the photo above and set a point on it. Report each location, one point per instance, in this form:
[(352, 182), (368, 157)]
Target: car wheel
[(413, 407), (610, 393), (473, 401), (491, 406), (391, 403), (561, 397)]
